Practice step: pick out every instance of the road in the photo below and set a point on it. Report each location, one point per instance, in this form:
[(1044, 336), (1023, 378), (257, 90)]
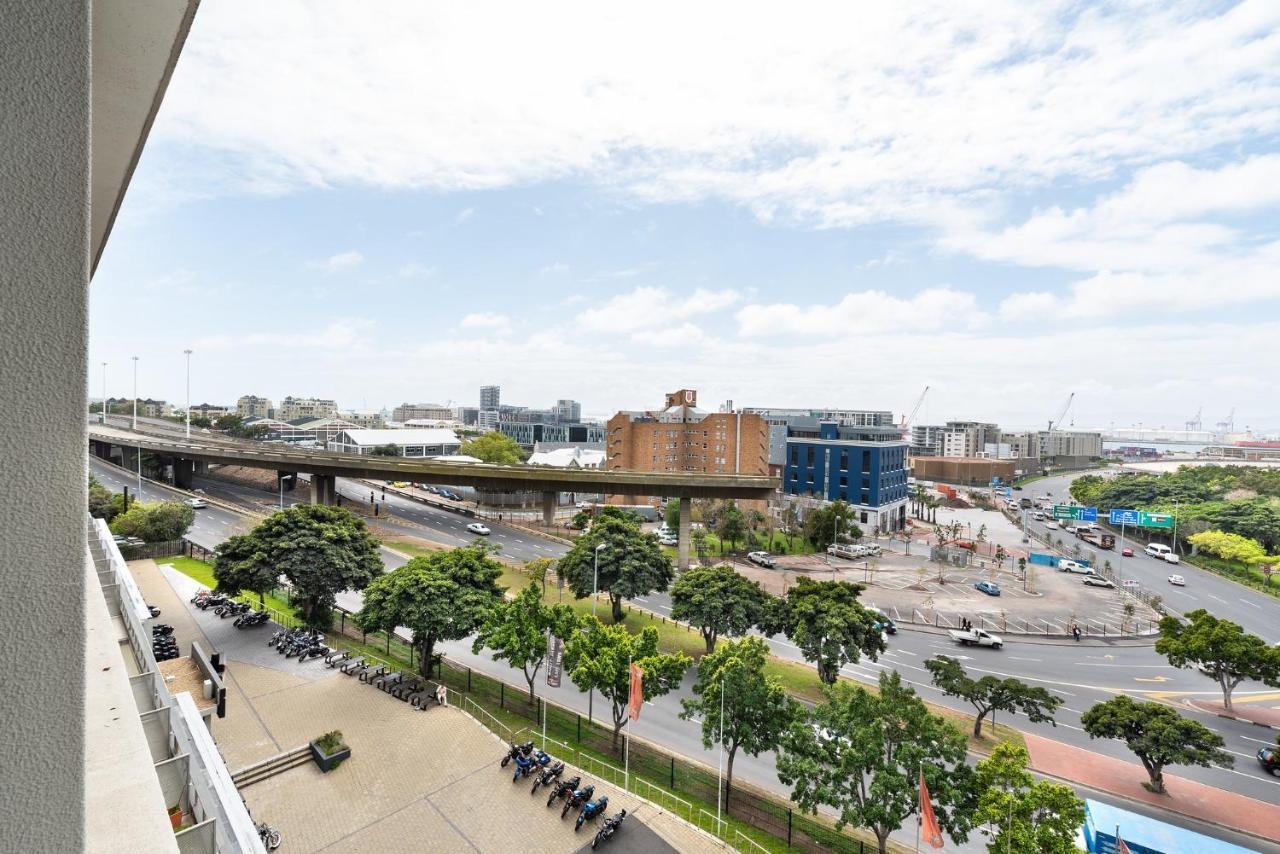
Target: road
[(1081, 674)]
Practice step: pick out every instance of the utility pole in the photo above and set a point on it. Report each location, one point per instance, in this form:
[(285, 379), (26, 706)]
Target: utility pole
[(188, 352), (104, 393), (135, 398)]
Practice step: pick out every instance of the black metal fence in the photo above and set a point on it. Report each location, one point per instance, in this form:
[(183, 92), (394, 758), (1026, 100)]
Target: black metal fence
[(169, 548)]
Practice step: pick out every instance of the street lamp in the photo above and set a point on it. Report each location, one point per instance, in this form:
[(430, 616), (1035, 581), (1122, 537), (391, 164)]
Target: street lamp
[(104, 393), (135, 392), (188, 352), (595, 577)]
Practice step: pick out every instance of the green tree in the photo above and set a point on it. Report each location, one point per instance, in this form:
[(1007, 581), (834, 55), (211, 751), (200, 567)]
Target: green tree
[(387, 450), (731, 524), (671, 513), (442, 596), (518, 631), (826, 621), (539, 568), (757, 709), (631, 563), (241, 563), (495, 447), (991, 693), (230, 423), (100, 506), (597, 657), (1219, 649), (155, 522), (821, 525), (1157, 735), (622, 514), (698, 536), (322, 550), (1028, 816), (717, 601), (1001, 556), (862, 754), (1231, 547)]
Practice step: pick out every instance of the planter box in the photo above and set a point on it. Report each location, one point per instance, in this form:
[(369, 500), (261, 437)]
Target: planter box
[(328, 761)]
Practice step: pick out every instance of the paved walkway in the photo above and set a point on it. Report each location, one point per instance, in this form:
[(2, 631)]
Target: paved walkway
[(1125, 779), (1260, 709)]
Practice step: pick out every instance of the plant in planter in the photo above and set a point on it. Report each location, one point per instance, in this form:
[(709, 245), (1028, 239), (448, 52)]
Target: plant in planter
[(329, 751)]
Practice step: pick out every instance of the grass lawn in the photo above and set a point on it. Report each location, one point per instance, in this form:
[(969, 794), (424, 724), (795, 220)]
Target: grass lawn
[(778, 545), (203, 572)]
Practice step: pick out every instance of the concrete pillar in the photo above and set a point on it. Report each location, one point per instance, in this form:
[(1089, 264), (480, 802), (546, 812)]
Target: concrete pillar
[(686, 522), (182, 472), (202, 468), (323, 489), (290, 479), (549, 509), (129, 457)]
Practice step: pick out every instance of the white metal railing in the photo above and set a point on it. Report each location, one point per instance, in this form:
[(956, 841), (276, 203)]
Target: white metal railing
[(739, 835), (467, 702)]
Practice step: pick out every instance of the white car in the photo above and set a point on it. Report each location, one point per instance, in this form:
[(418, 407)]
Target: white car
[(668, 540), (196, 503), (1052, 526), (1074, 567), (761, 559), (1177, 581), (478, 529)]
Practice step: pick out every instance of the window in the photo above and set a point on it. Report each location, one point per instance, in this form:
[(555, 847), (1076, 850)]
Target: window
[(866, 483), (795, 456), (809, 454), (866, 461), (844, 480)]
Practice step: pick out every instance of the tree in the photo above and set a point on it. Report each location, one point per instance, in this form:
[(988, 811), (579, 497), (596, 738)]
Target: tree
[(631, 564), (1157, 735), (100, 506), (757, 709), (756, 519), (155, 522), (622, 514), (1001, 555), (699, 538), (1231, 547), (862, 753), (442, 596), (230, 423), (671, 513), (517, 630), (539, 568), (717, 601), (790, 525), (241, 563), (387, 450), (826, 621), (821, 525), (495, 447), (596, 658), (1219, 649), (731, 524), (1029, 816), (322, 550), (991, 693)]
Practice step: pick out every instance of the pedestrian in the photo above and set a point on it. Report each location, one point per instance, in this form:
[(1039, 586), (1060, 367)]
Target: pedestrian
[(371, 497), (442, 695), (1075, 630)]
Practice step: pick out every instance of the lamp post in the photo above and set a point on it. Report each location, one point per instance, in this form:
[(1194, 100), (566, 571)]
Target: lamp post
[(188, 352), (104, 393), (595, 577), (135, 392)]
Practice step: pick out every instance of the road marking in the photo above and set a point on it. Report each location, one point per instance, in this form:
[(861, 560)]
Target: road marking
[(1152, 679), (1253, 604), (1258, 740), (1217, 599), (1016, 658)]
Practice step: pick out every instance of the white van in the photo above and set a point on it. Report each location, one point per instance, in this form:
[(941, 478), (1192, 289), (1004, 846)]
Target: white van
[(1159, 550)]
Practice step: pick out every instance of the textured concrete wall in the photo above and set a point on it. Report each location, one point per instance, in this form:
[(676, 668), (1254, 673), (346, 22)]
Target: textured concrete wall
[(44, 269)]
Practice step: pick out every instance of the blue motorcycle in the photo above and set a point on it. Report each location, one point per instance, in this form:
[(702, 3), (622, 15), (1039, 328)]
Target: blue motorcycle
[(577, 799), (593, 809), (526, 765)]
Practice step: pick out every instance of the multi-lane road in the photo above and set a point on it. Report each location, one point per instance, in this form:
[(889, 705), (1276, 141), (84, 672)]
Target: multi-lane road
[(1081, 674)]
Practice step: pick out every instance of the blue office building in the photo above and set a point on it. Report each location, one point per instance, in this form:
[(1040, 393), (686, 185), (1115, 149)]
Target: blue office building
[(864, 466)]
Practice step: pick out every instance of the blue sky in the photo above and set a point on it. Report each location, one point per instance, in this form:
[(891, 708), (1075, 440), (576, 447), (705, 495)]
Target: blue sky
[(834, 209)]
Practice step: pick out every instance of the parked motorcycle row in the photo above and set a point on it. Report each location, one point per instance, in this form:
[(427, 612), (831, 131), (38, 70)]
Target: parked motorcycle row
[(545, 771), (302, 644), (224, 606), (163, 646)]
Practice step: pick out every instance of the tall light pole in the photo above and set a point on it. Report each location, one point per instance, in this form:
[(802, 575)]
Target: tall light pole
[(135, 393), (595, 577), (104, 393), (188, 352)]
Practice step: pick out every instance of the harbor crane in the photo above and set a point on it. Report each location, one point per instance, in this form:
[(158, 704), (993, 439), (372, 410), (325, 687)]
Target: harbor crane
[(1063, 414), (1194, 423), (907, 420)]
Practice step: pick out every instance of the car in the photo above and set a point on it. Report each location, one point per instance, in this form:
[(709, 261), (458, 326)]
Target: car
[(1051, 525), (1017, 488), (668, 540), (1075, 567), (987, 587), (1098, 581), (978, 637), (195, 503), (1038, 516), (1126, 552), (452, 496), (434, 490), (1172, 557), (479, 529), (762, 559), (1269, 759), (1157, 550), (1177, 581), (400, 484), (883, 621)]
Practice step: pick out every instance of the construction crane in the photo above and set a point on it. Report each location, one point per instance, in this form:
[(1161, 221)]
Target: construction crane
[(1194, 423), (1229, 425), (1063, 413), (908, 419)]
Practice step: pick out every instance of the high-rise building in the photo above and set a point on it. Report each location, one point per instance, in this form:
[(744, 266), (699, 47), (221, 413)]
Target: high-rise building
[(568, 411), (421, 412), (863, 466), (487, 419), (490, 396), (293, 408), (779, 419), (252, 406), (954, 439)]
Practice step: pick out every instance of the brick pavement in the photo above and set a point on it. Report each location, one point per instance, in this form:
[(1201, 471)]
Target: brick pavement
[(1104, 773), (1265, 713)]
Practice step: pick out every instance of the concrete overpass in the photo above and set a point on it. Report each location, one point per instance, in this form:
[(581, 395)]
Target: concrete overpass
[(324, 467)]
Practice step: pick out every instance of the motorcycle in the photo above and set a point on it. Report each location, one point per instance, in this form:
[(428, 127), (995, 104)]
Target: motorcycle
[(577, 799), (591, 810), (253, 618), (517, 750), (526, 765), (563, 789), (269, 835), (608, 829), (548, 776)]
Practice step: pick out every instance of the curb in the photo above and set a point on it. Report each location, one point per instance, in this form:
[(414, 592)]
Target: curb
[(1046, 640)]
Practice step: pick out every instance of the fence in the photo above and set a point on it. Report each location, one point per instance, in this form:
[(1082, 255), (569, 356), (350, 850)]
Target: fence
[(1033, 626), (169, 548)]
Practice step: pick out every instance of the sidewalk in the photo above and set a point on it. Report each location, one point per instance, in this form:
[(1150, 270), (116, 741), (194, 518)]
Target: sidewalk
[(1241, 710), (1124, 779)]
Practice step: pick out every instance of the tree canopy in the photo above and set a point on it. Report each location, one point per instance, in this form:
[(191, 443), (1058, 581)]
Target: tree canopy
[(442, 596), (597, 657), (991, 693), (716, 601), (1232, 547), (731, 524), (1027, 816), (1219, 649), (820, 526), (826, 621), (387, 450), (495, 447), (1156, 734), (100, 504), (241, 563), (155, 522), (862, 753), (517, 631), (631, 563), (757, 708)]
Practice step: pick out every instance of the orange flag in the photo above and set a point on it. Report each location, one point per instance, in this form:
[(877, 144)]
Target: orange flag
[(929, 830), (635, 698)]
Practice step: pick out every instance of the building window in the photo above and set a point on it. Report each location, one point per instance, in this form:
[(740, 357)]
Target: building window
[(795, 456), (844, 460), (809, 455), (866, 461)]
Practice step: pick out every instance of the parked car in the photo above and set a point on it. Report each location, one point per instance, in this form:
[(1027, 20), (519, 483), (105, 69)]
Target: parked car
[(1126, 552), (479, 529), (1177, 581), (977, 637), (452, 496), (668, 540), (988, 587), (1075, 567), (1017, 488), (762, 559), (1269, 759), (1099, 581), (196, 503)]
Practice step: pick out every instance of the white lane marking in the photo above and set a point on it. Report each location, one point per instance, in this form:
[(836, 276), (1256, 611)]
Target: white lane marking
[(1253, 604), (1016, 658), (1131, 666), (1258, 740), (1217, 599)]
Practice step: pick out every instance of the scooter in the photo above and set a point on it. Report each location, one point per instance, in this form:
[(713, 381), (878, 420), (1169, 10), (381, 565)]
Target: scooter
[(591, 810), (548, 776), (608, 829), (517, 750), (563, 789), (577, 799)]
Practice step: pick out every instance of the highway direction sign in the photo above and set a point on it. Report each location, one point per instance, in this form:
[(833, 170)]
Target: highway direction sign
[(1124, 517), (1075, 511), (1155, 520)]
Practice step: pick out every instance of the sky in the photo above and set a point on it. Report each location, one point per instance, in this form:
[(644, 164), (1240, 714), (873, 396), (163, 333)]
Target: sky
[(829, 205)]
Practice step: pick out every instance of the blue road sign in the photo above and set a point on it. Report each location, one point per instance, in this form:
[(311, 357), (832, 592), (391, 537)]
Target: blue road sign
[(1124, 517), (1089, 514)]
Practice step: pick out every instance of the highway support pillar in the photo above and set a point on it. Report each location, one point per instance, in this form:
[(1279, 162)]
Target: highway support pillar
[(549, 509), (289, 478), (182, 472), (323, 489), (201, 468), (686, 522)]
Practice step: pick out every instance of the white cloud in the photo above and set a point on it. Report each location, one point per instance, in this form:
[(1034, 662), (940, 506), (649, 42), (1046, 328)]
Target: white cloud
[(487, 320), (341, 262), (874, 312), (464, 215), (553, 269), (414, 270), (649, 307)]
